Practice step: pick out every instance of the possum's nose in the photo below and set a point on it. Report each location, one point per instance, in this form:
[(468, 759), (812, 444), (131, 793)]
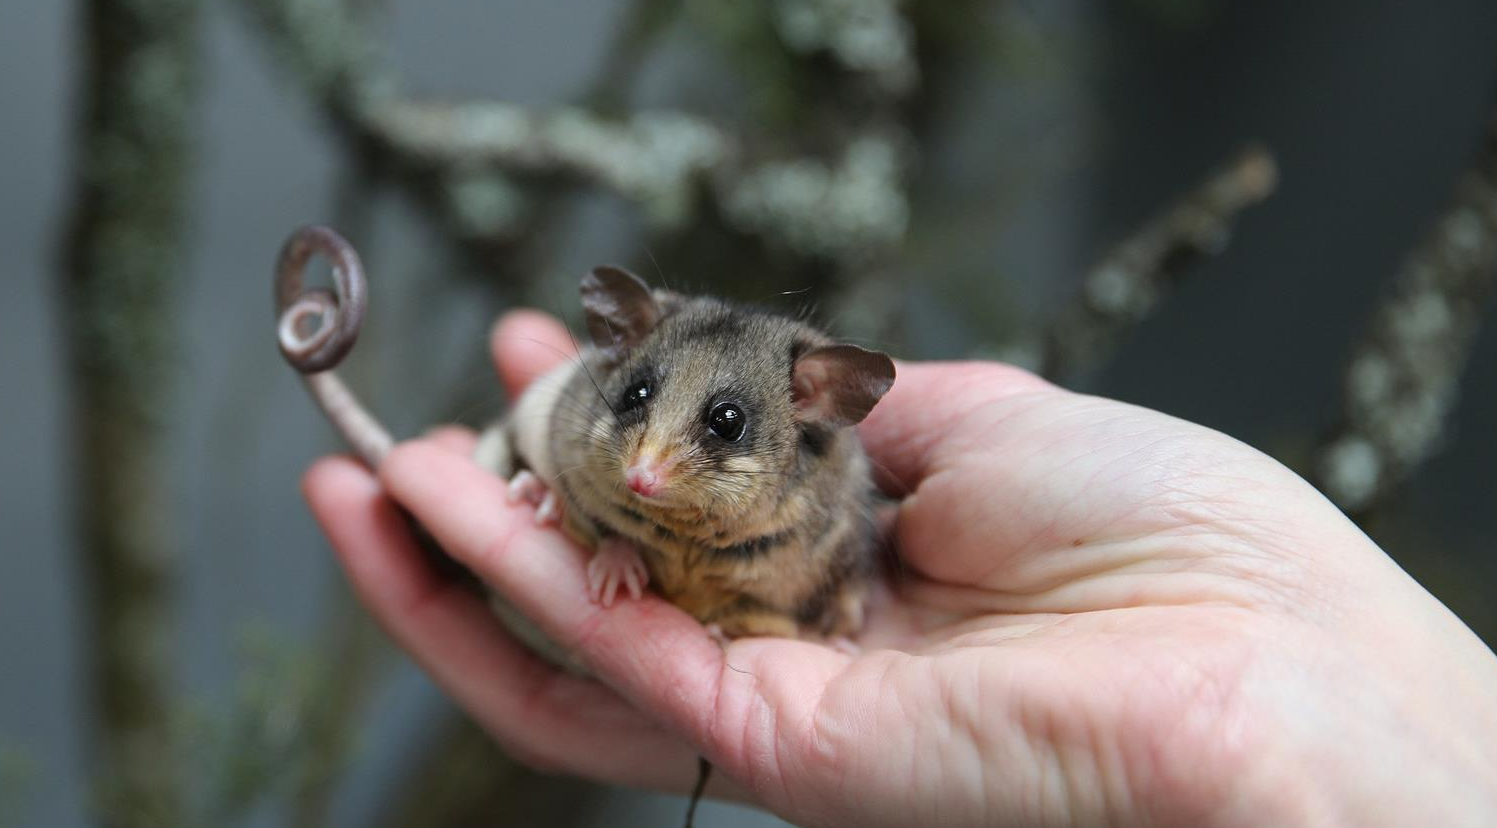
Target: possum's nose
[(643, 482), (646, 476)]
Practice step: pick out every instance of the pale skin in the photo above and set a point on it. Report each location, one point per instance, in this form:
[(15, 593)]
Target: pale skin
[(1104, 616)]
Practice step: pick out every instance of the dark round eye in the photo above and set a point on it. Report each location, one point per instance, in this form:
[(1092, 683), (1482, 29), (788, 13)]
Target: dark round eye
[(726, 421), (635, 396)]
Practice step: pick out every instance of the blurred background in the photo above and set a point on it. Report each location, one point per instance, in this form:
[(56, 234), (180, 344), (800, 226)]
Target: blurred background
[(1275, 218)]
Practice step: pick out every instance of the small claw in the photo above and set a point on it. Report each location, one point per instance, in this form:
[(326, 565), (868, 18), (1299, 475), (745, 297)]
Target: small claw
[(548, 513), (845, 646), (525, 487), (594, 581)]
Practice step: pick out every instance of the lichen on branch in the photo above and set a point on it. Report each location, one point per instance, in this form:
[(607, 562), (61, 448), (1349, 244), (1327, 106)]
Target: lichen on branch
[(653, 158), (851, 210), (868, 36), (1404, 376), (471, 153), (1131, 280)]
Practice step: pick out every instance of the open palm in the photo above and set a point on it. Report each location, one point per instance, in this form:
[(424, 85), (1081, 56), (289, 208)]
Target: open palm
[(1100, 614)]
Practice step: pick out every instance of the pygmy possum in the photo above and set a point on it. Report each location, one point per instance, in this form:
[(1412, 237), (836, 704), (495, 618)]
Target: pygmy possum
[(698, 447)]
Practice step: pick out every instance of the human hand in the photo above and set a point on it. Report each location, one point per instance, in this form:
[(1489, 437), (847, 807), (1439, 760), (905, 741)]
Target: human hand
[(1105, 615)]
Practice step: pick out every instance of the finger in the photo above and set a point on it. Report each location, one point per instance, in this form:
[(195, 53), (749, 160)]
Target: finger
[(545, 717), (1060, 502), (526, 344), (454, 438), (913, 424), (655, 655)]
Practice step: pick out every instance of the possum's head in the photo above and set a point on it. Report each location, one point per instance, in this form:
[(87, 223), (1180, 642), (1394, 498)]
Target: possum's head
[(712, 408)]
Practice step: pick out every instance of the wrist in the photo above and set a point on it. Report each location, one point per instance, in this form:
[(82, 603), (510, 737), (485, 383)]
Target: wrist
[(1392, 736)]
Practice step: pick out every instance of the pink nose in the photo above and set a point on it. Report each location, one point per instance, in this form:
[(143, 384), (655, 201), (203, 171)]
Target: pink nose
[(645, 481)]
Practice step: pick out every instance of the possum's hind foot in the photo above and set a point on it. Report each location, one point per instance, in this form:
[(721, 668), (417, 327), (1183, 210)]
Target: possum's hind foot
[(549, 512)]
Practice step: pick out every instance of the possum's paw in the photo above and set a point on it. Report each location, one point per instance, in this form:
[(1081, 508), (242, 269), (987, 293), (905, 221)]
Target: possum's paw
[(616, 562), (549, 512), (525, 487)]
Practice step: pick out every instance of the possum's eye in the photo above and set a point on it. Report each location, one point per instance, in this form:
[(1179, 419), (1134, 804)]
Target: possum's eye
[(635, 396), (726, 421)]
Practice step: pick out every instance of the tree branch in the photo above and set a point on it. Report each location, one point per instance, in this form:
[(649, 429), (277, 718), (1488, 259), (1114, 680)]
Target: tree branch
[(1404, 376), (1127, 285), (466, 152), (653, 159), (122, 262), (864, 36)]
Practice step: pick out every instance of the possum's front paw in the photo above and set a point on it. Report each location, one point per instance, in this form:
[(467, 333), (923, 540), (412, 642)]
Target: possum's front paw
[(615, 562), (525, 487)]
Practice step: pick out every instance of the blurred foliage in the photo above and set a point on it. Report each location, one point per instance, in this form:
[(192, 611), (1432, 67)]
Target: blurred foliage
[(279, 734), (265, 743), (744, 34)]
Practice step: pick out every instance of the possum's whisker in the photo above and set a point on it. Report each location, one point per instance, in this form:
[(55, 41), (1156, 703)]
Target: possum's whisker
[(578, 467), (582, 363), (890, 476), (569, 356), (658, 268)]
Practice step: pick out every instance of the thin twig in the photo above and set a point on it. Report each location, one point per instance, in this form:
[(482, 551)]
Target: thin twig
[(1127, 285), (1404, 376)]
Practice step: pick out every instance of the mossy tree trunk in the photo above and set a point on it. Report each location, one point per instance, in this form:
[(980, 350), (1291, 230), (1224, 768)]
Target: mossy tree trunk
[(122, 260)]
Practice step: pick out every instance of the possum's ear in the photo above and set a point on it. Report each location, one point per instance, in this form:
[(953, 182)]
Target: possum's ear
[(621, 310), (837, 385)]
